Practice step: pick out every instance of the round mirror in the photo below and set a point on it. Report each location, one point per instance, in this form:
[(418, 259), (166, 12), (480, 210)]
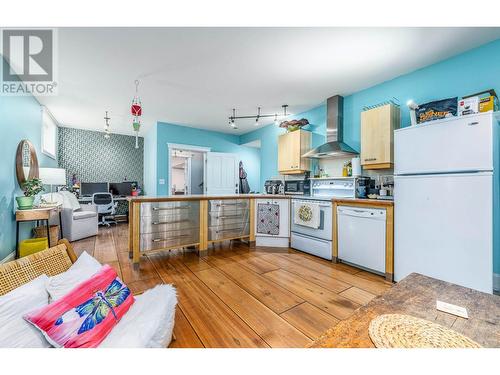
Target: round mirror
[(26, 162)]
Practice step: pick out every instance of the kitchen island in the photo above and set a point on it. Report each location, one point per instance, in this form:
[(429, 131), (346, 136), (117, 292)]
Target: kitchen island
[(163, 223)]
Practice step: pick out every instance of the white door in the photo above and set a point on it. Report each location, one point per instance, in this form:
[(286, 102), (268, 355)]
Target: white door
[(463, 144), (221, 173), (443, 228)]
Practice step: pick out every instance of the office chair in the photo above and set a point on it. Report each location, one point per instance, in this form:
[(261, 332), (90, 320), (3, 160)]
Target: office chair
[(106, 207)]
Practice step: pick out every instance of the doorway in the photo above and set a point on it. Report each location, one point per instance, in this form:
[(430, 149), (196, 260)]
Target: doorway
[(196, 170)]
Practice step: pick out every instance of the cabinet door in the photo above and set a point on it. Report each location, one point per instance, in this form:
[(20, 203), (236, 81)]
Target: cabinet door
[(377, 127), (291, 147), (283, 152), (294, 150)]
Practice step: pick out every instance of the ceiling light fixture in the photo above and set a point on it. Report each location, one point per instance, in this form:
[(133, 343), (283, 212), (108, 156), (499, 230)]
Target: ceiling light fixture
[(258, 116), (106, 127), (231, 120), (136, 110)]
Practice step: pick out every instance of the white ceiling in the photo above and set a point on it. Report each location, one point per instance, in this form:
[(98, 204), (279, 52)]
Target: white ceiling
[(195, 76)]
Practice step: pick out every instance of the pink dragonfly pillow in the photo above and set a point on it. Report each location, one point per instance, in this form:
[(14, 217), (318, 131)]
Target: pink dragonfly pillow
[(87, 314)]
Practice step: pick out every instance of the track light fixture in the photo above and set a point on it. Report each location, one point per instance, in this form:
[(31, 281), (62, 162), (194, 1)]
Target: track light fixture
[(258, 116), (231, 120)]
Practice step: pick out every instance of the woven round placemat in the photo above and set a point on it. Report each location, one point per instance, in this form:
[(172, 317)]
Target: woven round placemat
[(404, 331)]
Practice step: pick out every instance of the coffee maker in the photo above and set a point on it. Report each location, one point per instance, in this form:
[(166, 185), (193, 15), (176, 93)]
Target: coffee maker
[(273, 187)]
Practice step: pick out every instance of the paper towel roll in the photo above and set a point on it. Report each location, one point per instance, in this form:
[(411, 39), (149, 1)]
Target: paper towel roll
[(356, 166)]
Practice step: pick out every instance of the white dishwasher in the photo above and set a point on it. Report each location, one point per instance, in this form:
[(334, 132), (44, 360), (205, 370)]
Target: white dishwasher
[(361, 237)]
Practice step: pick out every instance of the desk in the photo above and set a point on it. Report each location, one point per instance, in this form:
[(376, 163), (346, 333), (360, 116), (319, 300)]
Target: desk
[(37, 214), (116, 198), (121, 211)]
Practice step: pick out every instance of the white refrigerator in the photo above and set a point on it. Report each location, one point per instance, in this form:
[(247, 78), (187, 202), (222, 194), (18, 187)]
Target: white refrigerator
[(446, 199)]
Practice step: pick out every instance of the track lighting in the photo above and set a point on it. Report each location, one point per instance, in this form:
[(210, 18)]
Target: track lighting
[(257, 117)]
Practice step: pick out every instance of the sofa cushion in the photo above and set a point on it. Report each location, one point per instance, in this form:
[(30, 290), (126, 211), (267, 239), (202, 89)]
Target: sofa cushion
[(86, 315), (79, 215), (15, 332), (149, 322)]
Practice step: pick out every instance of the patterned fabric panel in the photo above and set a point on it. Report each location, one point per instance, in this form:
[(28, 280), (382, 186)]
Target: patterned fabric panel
[(268, 218)]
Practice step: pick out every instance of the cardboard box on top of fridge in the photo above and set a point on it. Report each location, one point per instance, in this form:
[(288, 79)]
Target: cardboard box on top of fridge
[(486, 101), (468, 106)]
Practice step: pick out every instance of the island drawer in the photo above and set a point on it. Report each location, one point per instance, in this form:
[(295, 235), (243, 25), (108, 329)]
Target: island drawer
[(156, 209), (151, 241), (165, 223), (228, 217), (226, 231), (224, 205)]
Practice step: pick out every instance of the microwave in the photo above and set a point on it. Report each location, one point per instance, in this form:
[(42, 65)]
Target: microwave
[(298, 187)]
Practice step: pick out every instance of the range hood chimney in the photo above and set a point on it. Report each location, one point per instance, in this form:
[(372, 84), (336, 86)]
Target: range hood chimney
[(334, 146)]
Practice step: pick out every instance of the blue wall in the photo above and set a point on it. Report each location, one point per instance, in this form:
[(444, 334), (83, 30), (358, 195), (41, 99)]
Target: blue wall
[(218, 142), (470, 72), (467, 73), (20, 118)]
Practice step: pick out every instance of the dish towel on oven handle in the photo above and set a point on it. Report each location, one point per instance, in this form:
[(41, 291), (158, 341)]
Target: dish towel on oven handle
[(307, 214), (268, 219)]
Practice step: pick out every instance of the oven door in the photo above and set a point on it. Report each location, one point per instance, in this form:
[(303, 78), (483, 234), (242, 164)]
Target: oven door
[(325, 226)]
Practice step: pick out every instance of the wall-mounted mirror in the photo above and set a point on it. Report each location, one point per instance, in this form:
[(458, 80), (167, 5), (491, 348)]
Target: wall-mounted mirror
[(26, 162)]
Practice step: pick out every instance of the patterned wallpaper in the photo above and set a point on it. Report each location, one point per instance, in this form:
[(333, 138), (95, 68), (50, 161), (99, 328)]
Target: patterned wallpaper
[(96, 159)]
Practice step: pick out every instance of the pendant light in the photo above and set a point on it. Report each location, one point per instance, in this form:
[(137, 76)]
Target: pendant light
[(136, 110), (106, 126)]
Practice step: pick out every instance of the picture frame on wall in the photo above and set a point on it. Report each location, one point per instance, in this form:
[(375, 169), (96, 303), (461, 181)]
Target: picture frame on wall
[(49, 134)]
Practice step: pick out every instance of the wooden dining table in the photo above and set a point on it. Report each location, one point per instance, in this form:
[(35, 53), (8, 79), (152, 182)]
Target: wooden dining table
[(416, 295)]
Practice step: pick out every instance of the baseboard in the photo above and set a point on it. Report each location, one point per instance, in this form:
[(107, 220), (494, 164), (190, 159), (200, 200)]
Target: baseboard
[(8, 258), (272, 241), (496, 283)]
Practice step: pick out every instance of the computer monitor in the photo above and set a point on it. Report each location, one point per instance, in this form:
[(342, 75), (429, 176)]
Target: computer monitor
[(89, 188), (121, 188)]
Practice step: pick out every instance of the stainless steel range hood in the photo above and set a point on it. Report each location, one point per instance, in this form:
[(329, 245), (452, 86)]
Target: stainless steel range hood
[(334, 146)]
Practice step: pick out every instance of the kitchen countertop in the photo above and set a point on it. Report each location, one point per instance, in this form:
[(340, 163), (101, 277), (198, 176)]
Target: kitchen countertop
[(193, 197), (197, 197), (367, 201)]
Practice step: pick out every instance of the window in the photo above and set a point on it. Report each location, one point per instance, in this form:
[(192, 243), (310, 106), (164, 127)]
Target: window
[(49, 134)]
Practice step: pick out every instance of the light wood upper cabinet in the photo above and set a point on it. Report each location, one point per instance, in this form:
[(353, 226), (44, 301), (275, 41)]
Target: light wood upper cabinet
[(377, 136), (291, 147)]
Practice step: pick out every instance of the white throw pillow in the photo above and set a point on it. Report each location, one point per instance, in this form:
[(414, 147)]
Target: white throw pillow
[(84, 267), (15, 332), (149, 322)]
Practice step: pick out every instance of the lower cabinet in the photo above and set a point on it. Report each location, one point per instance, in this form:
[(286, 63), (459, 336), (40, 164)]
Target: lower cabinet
[(272, 222), (166, 225), (228, 219)]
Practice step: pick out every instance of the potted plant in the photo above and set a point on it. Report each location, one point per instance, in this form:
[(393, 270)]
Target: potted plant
[(31, 188), (293, 125)]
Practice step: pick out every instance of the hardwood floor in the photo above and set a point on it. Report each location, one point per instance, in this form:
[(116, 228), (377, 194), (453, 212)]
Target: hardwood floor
[(243, 297)]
